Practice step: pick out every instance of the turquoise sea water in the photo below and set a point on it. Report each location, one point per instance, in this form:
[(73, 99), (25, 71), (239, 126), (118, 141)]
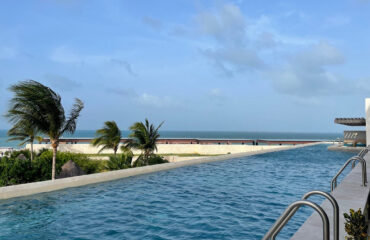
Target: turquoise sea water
[(229, 200), (203, 134)]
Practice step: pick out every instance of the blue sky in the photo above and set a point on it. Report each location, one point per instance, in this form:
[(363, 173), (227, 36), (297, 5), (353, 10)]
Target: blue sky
[(198, 65)]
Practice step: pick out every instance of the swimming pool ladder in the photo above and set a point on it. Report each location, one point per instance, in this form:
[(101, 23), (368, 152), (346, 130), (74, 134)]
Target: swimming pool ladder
[(361, 154), (353, 160), (293, 208)]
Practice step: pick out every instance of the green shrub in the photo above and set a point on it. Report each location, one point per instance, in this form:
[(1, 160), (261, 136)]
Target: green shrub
[(155, 159), (355, 225), (44, 161), (41, 151), (15, 171), (121, 161), (25, 152), (152, 160)]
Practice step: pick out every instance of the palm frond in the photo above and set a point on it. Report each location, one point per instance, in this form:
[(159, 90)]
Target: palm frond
[(143, 137), (71, 123), (109, 136)]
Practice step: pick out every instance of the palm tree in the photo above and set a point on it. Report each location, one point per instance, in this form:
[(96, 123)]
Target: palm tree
[(42, 108), (109, 137), (143, 137), (23, 131)]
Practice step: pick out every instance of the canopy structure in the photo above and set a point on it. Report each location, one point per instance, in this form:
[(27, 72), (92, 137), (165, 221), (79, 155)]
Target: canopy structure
[(351, 121)]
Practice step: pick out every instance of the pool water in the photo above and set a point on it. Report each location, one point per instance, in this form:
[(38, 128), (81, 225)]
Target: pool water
[(233, 199)]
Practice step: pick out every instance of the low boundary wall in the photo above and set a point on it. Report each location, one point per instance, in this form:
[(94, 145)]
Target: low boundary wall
[(165, 148)]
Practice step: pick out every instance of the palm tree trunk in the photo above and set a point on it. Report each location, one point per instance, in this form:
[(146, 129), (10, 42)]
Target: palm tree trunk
[(146, 157), (55, 149), (31, 151)]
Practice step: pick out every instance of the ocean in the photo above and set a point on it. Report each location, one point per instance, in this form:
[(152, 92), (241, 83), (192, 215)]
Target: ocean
[(201, 134)]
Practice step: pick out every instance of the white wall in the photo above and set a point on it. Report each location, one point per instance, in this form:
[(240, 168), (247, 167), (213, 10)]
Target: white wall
[(166, 148), (367, 111)]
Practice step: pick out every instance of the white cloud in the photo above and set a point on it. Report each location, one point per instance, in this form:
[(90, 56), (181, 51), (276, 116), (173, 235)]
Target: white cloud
[(241, 43), (320, 54), (227, 27), (226, 24), (307, 74), (266, 25), (155, 101), (265, 40), (234, 59)]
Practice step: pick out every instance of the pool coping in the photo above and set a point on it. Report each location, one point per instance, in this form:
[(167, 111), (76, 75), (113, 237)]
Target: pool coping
[(21, 190), (349, 194)]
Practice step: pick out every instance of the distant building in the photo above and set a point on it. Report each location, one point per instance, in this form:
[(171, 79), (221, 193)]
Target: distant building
[(353, 138), (357, 137)]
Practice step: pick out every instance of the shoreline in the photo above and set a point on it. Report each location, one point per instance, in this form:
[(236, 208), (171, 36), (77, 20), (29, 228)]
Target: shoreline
[(58, 184)]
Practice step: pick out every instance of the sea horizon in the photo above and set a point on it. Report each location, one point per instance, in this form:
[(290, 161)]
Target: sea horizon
[(202, 135)]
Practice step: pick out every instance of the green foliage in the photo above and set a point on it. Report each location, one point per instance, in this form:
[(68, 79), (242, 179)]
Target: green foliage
[(25, 152), (41, 151), (87, 165), (41, 109), (23, 131), (108, 137), (121, 161), (155, 159), (355, 225), (15, 171), (152, 160), (143, 137)]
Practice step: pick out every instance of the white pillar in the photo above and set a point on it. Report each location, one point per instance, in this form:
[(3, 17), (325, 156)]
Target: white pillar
[(367, 111)]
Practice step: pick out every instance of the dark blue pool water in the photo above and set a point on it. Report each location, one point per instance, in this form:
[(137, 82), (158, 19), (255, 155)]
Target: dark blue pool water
[(233, 199)]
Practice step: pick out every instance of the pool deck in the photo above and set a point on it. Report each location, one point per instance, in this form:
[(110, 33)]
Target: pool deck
[(349, 194), (58, 184)]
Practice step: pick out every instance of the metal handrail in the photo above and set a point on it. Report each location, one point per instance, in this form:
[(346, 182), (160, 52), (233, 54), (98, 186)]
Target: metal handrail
[(364, 173), (307, 195), (355, 159), (363, 152), (294, 207)]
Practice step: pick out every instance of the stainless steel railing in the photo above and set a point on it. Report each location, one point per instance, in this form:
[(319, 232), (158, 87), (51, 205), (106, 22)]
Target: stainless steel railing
[(289, 212), (361, 154), (305, 197), (364, 173)]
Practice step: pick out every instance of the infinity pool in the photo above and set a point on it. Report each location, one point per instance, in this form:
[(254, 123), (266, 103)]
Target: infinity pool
[(232, 199)]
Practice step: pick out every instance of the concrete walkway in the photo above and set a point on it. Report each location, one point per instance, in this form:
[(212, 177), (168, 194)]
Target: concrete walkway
[(47, 186)]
